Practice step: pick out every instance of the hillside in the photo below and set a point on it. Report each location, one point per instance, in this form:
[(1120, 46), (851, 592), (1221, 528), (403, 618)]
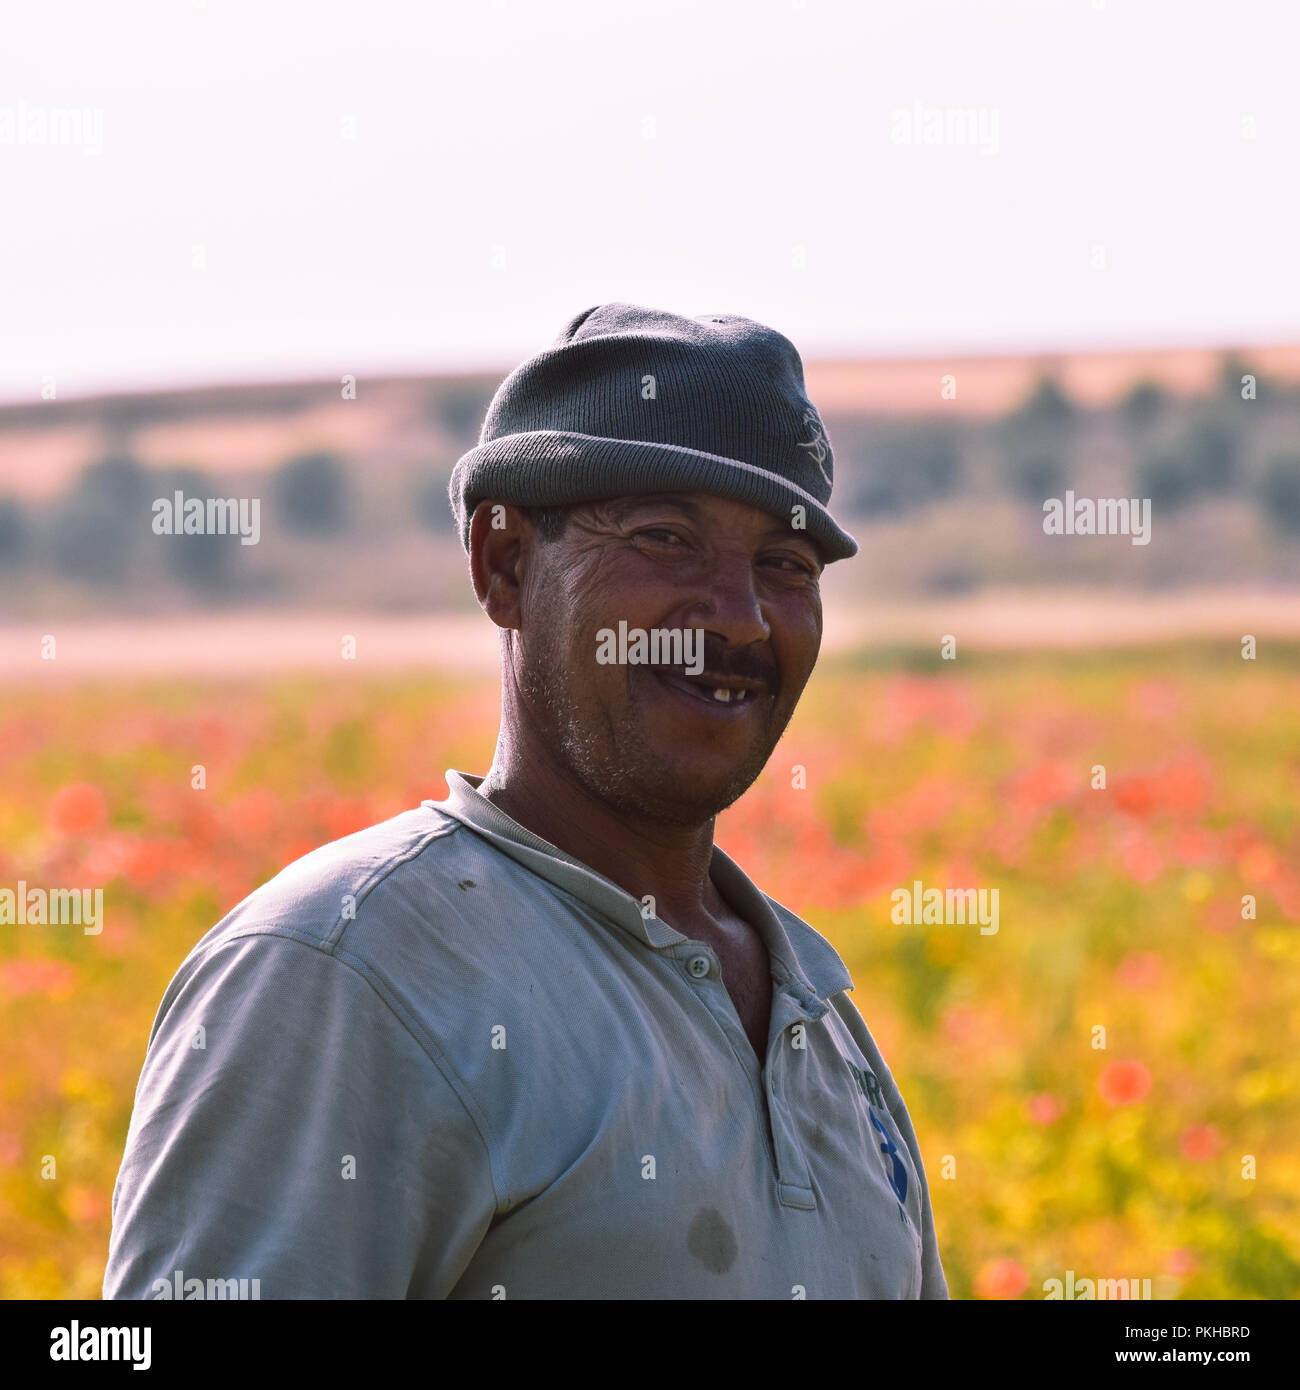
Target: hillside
[(943, 468)]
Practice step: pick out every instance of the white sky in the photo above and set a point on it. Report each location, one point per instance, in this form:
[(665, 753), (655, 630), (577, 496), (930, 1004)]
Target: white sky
[(501, 179)]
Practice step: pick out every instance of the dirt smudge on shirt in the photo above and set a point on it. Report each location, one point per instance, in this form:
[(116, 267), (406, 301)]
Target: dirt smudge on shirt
[(711, 1241)]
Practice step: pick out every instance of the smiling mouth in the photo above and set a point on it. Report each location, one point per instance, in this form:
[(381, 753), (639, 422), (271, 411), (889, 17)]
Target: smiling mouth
[(727, 691)]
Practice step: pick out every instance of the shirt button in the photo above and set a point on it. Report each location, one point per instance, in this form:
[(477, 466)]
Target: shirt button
[(699, 966)]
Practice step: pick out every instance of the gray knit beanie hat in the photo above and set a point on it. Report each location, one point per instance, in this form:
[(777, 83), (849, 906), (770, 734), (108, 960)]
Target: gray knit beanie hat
[(631, 400)]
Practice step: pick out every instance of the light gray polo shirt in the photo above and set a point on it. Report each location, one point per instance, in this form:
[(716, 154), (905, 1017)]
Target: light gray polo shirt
[(440, 1058)]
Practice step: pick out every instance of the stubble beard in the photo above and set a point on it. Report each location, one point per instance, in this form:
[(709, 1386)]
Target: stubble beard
[(614, 761)]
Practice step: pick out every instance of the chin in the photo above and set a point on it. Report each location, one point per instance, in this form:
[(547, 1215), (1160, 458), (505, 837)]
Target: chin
[(676, 795)]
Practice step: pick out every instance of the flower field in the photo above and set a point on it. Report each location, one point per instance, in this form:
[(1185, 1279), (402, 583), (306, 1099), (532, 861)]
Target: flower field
[(1106, 1085)]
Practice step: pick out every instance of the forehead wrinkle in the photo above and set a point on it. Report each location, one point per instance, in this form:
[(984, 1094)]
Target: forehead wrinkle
[(620, 506)]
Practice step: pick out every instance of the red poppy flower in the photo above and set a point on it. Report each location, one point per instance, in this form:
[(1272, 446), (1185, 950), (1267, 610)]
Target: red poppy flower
[(78, 809), (1001, 1279), (1123, 1083), (1201, 1142)]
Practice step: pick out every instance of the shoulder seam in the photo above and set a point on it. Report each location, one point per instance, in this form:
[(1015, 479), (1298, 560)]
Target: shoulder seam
[(340, 924)]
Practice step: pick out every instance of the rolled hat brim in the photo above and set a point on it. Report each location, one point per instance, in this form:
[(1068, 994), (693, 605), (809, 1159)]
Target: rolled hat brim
[(550, 467)]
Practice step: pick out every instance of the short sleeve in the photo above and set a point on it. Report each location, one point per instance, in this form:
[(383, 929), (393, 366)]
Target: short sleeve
[(289, 1128)]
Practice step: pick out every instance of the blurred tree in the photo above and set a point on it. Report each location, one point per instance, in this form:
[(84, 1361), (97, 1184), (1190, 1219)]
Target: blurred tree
[(1036, 477), (935, 461), (14, 533), (1279, 492), (120, 482), (904, 466), (872, 492), (1231, 370), (951, 579), (1047, 407), (203, 563), (101, 520), (1211, 452), (871, 487), (1169, 482), (460, 409), (432, 505), (1142, 406), (311, 493)]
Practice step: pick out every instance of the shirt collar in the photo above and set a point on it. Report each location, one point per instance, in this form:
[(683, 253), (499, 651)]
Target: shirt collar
[(812, 963)]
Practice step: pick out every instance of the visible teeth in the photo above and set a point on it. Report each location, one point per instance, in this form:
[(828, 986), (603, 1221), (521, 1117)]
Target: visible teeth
[(723, 695)]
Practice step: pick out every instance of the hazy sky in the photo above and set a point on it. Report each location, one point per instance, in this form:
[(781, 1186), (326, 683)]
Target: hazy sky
[(261, 189)]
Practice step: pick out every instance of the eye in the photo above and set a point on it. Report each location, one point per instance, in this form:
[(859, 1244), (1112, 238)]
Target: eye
[(792, 564), (662, 534)]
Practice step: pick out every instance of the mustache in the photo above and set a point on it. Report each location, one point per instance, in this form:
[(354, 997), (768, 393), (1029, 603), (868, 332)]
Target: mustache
[(743, 663)]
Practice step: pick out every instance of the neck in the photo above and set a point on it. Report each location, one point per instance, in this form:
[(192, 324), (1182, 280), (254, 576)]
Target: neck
[(643, 857)]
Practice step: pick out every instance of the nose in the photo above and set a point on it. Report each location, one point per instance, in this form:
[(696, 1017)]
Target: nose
[(729, 605)]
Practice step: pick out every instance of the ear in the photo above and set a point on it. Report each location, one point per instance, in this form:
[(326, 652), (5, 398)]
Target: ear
[(498, 541)]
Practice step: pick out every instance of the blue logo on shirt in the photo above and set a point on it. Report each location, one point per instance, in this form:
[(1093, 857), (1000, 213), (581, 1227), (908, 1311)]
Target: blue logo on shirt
[(870, 1088), (898, 1178)]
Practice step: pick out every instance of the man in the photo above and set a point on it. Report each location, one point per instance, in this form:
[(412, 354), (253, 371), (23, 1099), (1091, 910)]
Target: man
[(542, 1039)]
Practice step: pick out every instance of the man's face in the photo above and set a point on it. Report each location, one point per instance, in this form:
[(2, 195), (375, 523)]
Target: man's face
[(659, 742)]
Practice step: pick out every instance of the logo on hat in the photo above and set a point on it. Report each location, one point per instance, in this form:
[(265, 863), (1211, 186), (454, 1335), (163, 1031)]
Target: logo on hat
[(818, 445)]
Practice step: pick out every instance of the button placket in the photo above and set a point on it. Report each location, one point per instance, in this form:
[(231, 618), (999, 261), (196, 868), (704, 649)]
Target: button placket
[(724, 1014), (794, 1179)]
